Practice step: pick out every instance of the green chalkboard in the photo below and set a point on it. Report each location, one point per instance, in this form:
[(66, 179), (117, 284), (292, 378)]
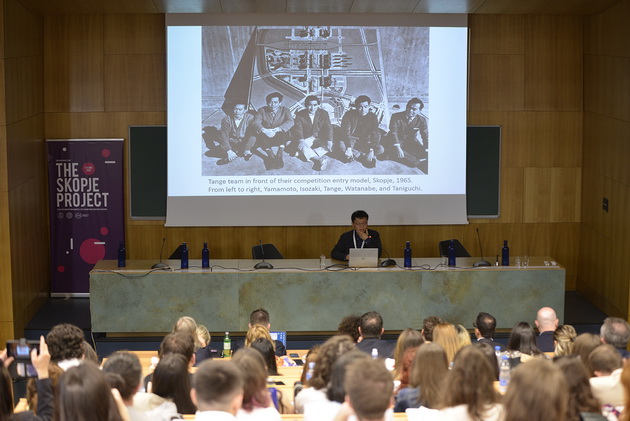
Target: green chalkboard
[(147, 171), (483, 171)]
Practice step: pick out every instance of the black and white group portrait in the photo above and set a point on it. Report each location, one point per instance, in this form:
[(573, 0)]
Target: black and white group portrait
[(315, 100)]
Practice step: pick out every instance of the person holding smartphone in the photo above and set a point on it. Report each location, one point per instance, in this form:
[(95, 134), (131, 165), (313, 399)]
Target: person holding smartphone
[(40, 361)]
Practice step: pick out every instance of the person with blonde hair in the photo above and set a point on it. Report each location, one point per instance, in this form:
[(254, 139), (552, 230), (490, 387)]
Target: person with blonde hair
[(463, 337), (255, 332), (189, 326), (429, 368), (538, 391), (445, 335), (563, 339)]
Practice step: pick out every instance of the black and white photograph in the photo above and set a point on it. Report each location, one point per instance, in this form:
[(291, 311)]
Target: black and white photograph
[(307, 100)]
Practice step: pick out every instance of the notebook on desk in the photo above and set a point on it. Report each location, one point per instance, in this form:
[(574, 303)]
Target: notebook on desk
[(363, 258)]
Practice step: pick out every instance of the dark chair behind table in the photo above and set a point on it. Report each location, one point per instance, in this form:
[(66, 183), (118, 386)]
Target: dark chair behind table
[(460, 251), (266, 251)]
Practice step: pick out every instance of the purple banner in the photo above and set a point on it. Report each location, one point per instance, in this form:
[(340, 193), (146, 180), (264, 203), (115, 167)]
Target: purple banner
[(87, 223)]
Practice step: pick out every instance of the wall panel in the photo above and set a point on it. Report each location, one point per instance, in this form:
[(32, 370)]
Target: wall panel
[(496, 82), (73, 61), (134, 34), (603, 273), (143, 86), (497, 34), (553, 62), (24, 93)]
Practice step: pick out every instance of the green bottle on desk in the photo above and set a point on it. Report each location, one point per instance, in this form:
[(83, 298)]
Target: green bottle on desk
[(227, 345)]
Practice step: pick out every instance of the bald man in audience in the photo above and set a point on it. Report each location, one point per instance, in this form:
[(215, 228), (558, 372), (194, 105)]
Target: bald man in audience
[(369, 389), (217, 390), (607, 366), (616, 332), (547, 323)]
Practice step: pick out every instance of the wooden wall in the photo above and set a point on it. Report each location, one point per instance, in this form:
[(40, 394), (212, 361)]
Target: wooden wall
[(104, 72), (603, 272), (24, 260)]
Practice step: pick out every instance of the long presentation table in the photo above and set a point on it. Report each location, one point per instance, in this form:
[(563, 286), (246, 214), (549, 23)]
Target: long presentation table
[(302, 297)]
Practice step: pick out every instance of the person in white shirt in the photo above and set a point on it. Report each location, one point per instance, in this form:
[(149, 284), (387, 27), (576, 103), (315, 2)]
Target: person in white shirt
[(217, 391), (607, 366)]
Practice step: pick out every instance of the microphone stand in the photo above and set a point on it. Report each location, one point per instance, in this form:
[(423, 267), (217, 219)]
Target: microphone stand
[(263, 264), (161, 265), (387, 262), (481, 262)]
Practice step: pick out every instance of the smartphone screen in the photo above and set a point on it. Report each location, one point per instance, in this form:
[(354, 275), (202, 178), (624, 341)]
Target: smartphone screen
[(21, 352)]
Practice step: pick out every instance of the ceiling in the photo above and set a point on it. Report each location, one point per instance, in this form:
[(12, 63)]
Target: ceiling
[(579, 7)]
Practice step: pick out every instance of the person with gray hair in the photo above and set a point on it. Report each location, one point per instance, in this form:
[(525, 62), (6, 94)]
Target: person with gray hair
[(615, 331)]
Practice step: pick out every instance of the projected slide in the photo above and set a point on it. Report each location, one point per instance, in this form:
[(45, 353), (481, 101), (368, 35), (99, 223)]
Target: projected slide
[(316, 110)]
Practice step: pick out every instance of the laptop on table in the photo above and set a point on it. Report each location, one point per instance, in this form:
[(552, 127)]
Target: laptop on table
[(363, 258)]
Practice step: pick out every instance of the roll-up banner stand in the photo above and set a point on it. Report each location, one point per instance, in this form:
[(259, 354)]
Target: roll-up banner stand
[(86, 190)]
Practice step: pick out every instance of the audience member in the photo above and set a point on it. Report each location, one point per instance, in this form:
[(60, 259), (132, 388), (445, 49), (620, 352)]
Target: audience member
[(485, 326), (170, 392), (563, 339), (54, 374), (174, 343), (369, 389), (84, 394), (446, 335), (625, 381), (427, 327), (217, 391), (257, 404), (523, 340), (463, 336), (203, 336), (546, 323), (260, 317), (255, 332), (336, 393), (584, 344), (371, 329), (124, 372), (65, 343), (581, 399), (615, 331), (607, 365), (349, 325), (188, 325), (406, 363), (429, 368), (469, 392), (266, 350), (408, 338), (537, 392), (328, 353), (310, 357), (45, 402), (89, 354), (491, 356)]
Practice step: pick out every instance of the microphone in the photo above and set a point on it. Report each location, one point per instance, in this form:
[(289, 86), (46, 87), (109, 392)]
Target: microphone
[(481, 262), (387, 262), (263, 264), (160, 265)]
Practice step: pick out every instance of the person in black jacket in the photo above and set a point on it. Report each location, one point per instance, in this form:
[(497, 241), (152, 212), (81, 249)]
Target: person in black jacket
[(359, 237)]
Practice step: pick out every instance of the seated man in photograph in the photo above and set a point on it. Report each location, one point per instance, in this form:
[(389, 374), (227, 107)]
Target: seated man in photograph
[(236, 138), (359, 237), (271, 127), (408, 139), (360, 138), (313, 133), (217, 390)]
